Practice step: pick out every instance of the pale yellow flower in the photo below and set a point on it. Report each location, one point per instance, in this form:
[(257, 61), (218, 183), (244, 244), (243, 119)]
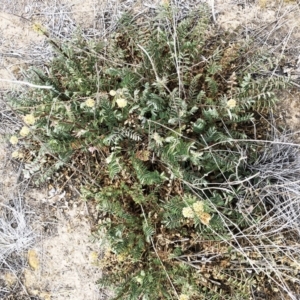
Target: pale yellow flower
[(14, 140), (121, 102), (29, 119), (165, 3), (15, 154), (158, 139), (109, 158), (205, 218), (90, 102), (139, 279), (231, 103), (183, 297), (187, 212), (113, 93), (94, 257), (38, 28), (198, 207), (121, 257), (24, 131)]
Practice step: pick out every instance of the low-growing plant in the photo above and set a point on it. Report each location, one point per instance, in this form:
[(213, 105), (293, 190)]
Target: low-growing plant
[(159, 121)]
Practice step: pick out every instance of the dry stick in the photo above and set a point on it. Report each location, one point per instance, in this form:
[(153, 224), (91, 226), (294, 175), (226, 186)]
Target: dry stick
[(154, 68), (254, 141), (282, 52), (213, 11), (277, 24), (229, 141), (46, 87), (176, 44)]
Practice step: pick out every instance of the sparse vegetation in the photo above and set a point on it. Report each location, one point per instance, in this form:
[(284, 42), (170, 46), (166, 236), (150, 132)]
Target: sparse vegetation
[(165, 123), (16, 234)]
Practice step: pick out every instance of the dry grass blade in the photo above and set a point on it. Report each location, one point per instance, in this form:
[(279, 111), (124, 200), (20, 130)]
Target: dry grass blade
[(16, 236)]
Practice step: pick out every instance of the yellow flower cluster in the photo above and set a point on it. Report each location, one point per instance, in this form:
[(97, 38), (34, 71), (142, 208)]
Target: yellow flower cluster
[(17, 154), (94, 257), (187, 212), (183, 297), (198, 210), (24, 131), (38, 28), (90, 102), (29, 119), (14, 140), (121, 257), (121, 101), (165, 3), (231, 103), (198, 207)]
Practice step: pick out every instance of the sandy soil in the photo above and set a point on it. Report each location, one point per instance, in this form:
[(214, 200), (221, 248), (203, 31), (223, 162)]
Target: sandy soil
[(62, 264), (16, 39)]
